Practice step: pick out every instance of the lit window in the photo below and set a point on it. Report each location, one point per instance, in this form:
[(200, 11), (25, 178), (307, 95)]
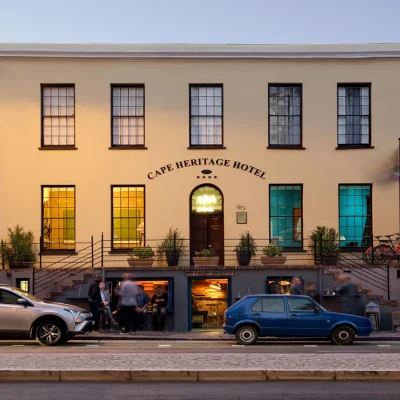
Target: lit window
[(285, 215), (58, 115), (355, 215), (206, 123), (58, 211), (128, 223), (206, 199)]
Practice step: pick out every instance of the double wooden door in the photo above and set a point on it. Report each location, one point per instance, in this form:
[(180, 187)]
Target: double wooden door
[(207, 230)]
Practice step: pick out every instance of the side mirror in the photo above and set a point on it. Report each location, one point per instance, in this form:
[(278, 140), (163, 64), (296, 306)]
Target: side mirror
[(23, 302), (317, 311)]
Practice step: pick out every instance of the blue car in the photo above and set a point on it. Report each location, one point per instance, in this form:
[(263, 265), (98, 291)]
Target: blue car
[(290, 316)]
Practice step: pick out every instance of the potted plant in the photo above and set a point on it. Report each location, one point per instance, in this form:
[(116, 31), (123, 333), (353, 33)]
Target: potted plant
[(172, 246), (141, 256), (206, 257), (272, 255), (245, 249), (324, 245), (18, 251)]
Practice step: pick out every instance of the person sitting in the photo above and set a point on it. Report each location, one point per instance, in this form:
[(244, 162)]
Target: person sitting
[(105, 308), (142, 300), (159, 304)]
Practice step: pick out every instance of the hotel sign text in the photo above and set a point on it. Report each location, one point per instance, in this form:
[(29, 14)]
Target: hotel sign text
[(196, 162)]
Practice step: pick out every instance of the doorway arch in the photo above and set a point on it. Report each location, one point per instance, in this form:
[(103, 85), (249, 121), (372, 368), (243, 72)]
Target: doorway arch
[(206, 207)]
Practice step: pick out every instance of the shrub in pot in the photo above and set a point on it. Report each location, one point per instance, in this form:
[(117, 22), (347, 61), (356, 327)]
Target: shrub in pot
[(272, 255), (18, 251), (324, 245), (245, 249), (206, 257), (172, 246), (141, 256)]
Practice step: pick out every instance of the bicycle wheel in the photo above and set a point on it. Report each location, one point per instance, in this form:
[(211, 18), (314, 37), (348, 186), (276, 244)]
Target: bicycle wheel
[(367, 256), (383, 255)]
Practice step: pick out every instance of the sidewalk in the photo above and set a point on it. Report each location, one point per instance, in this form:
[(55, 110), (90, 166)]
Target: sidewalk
[(208, 335), (209, 367)]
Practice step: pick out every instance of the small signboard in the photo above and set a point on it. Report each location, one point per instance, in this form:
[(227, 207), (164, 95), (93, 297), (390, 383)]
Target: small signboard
[(241, 217), (209, 273)]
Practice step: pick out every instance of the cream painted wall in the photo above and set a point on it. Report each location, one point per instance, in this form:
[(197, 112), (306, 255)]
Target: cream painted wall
[(93, 168)]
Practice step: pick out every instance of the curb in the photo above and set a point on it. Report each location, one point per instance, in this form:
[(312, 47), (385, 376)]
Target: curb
[(194, 375)]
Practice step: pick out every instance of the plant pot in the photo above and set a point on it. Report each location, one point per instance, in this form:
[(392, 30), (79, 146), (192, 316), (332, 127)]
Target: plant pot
[(140, 262), (20, 265), (277, 260), (326, 260), (243, 257), (172, 257), (206, 261)]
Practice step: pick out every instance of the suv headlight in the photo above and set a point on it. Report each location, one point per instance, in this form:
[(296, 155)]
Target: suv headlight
[(79, 317)]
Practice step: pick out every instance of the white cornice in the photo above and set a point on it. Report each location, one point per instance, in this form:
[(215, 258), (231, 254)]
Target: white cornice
[(197, 51)]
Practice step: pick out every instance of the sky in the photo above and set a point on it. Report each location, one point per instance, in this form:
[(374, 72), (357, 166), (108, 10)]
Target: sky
[(200, 21)]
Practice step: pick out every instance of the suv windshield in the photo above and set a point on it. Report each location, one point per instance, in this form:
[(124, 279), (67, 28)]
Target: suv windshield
[(27, 295)]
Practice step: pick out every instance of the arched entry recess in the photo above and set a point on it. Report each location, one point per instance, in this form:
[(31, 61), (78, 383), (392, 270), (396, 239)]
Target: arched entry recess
[(207, 220)]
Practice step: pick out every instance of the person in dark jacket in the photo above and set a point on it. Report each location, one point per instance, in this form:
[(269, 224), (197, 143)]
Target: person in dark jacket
[(312, 292), (349, 293), (295, 289), (95, 301)]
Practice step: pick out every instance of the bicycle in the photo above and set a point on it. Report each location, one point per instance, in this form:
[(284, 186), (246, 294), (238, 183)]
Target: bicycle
[(387, 250)]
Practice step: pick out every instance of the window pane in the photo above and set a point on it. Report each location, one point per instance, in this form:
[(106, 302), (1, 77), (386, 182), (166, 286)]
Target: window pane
[(273, 305), (257, 306), (300, 305), (7, 297), (355, 209), (285, 215), (58, 226), (128, 216)]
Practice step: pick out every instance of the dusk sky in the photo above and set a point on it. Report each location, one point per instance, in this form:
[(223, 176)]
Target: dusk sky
[(200, 21)]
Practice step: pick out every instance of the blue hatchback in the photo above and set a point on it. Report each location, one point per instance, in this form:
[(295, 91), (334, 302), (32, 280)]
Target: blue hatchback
[(291, 316)]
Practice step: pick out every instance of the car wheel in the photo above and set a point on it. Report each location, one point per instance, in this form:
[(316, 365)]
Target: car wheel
[(343, 335), (49, 333), (246, 335)]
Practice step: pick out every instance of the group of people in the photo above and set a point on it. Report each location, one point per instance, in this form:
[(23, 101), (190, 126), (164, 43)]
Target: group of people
[(343, 287), (132, 307)]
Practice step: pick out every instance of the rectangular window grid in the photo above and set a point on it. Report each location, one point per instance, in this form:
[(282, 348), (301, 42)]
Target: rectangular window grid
[(354, 115), (128, 216), (58, 211), (285, 120), (58, 114), (128, 115), (285, 215), (355, 215), (206, 119)]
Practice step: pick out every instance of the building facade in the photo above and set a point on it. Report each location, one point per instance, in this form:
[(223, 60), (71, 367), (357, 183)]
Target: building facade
[(127, 141)]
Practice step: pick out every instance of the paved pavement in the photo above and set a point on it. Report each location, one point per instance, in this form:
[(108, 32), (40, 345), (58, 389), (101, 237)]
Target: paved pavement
[(202, 391)]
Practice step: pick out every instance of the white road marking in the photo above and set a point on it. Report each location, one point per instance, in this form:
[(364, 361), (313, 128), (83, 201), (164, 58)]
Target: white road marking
[(164, 345), (238, 345), (384, 345), (17, 345), (91, 345), (310, 345)]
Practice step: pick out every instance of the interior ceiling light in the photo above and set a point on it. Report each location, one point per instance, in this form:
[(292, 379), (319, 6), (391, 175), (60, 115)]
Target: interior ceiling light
[(215, 285)]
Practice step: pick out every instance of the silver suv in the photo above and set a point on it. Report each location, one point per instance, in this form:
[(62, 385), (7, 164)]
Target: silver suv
[(24, 315)]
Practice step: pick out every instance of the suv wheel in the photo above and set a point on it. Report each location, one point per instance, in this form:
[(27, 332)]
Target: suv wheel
[(49, 333), (343, 335), (246, 335)]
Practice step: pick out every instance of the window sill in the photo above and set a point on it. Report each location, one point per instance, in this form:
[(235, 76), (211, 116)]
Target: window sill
[(285, 147), (58, 252), (58, 148), (355, 147), (293, 250), (206, 148), (128, 147), (120, 251), (352, 249)]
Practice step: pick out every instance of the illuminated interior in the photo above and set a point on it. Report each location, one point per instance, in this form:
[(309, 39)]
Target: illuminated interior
[(128, 216), (58, 218), (279, 286), (206, 199), (209, 302)]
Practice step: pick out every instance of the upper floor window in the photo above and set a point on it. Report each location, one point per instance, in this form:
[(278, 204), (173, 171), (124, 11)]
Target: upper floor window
[(58, 217), (206, 116), (285, 215), (285, 119), (127, 217), (58, 115), (355, 215), (354, 115), (127, 115)]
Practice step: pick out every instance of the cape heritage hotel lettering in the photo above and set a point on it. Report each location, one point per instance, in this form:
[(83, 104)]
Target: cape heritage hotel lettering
[(196, 162)]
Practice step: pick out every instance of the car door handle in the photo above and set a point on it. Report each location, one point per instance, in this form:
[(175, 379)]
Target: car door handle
[(293, 315), (256, 314)]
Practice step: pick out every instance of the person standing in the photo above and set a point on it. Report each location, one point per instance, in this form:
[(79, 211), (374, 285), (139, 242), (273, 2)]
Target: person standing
[(312, 292), (296, 289), (348, 291), (142, 300), (95, 301), (159, 303), (128, 303)]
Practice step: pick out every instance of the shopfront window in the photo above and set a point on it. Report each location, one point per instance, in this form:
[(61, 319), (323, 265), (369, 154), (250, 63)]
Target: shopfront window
[(128, 223), (58, 213), (285, 215)]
